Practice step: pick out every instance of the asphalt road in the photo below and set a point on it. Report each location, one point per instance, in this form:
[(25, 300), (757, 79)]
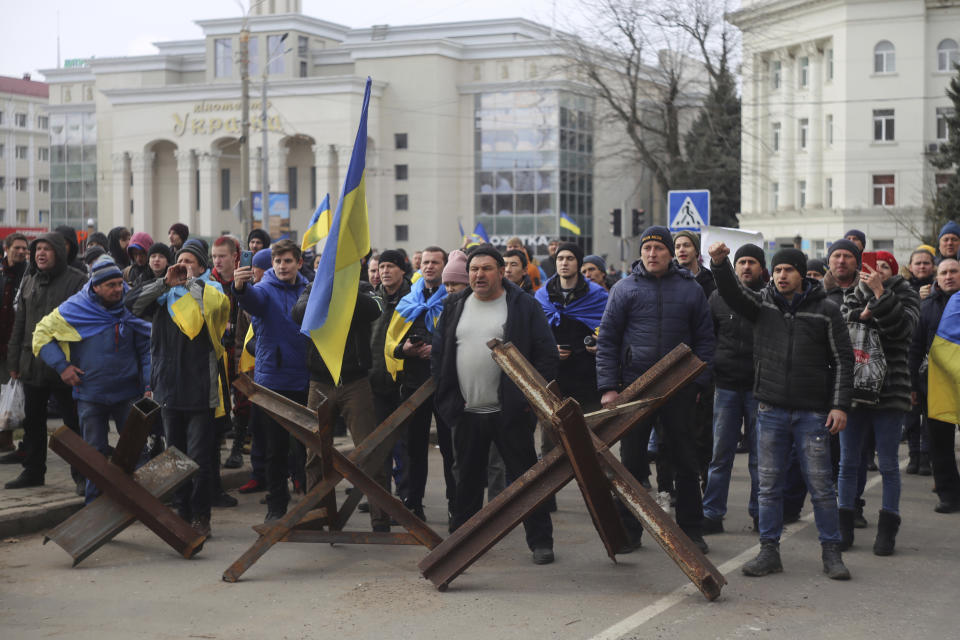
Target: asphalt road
[(137, 587)]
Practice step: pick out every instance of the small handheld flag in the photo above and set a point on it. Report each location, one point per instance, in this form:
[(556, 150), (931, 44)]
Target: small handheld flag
[(319, 226)]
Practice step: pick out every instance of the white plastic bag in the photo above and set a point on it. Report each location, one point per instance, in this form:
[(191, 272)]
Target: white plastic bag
[(11, 405)]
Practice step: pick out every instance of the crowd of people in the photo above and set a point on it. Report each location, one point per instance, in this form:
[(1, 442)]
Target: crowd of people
[(787, 343)]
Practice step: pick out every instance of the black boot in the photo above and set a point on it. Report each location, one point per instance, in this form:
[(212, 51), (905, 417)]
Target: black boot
[(766, 562), (913, 464), (923, 468), (846, 528), (235, 459), (887, 526), (833, 562), (859, 522)]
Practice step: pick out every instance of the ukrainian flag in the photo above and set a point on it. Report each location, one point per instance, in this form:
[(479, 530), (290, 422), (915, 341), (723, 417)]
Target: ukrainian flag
[(319, 225), (334, 294), (943, 395), (568, 224), (472, 239)]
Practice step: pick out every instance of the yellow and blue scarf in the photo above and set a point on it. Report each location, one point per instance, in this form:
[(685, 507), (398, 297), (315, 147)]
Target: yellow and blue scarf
[(409, 309)]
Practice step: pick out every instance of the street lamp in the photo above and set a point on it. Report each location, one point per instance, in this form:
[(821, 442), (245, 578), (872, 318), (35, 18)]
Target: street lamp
[(265, 167)]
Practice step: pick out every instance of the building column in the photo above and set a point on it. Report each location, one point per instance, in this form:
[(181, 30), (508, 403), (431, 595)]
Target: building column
[(121, 190), (817, 139), (187, 187), (278, 169), (788, 134), (141, 166), (209, 205)]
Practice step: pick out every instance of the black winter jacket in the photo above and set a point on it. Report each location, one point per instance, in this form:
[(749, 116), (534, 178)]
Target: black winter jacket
[(931, 310), (380, 379), (415, 370), (733, 360), (526, 328), (577, 375), (801, 351), (357, 359), (40, 293), (895, 315)]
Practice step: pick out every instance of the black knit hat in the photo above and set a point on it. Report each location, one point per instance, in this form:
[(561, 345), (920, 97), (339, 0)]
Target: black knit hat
[(394, 257), (818, 265), (484, 250), (159, 247), (846, 245), (692, 235), (793, 257), (657, 234), (751, 251), (573, 248), (196, 248), (259, 233)]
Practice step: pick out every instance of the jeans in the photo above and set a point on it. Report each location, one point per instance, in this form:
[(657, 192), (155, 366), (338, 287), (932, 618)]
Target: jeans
[(885, 423), (730, 410), (513, 436), (777, 429), (95, 422), (278, 455), (35, 423), (193, 433)]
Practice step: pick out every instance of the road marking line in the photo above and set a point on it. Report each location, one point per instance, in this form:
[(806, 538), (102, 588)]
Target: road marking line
[(641, 617)]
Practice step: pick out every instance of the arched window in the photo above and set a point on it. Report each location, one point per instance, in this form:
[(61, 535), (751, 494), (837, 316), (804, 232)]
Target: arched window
[(884, 57), (948, 54)]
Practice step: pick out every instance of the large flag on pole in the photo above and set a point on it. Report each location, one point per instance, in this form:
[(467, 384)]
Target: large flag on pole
[(334, 293), (319, 226)]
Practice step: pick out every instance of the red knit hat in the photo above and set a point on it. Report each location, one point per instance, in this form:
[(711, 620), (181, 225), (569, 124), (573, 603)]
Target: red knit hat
[(887, 257)]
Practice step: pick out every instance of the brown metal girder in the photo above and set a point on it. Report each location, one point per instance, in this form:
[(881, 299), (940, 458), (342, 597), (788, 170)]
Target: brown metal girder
[(100, 521), (113, 482), (465, 545), (133, 437), (344, 537)]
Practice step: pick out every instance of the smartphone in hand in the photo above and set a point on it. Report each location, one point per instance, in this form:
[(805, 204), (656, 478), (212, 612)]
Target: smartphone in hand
[(246, 258)]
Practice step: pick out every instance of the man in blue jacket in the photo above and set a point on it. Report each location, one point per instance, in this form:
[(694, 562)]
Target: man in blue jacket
[(657, 307), (100, 349), (281, 354)]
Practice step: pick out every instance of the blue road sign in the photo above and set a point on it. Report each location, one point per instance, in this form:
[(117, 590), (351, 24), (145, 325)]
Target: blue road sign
[(688, 209)]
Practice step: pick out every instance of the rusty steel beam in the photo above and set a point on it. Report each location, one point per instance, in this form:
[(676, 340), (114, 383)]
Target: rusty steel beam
[(575, 439), (133, 437), (121, 488), (465, 545), (103, 519), (344, 537)]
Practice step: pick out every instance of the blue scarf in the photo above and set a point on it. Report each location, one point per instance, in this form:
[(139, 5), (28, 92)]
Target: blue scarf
[(587, 310), (177, 292), (88, 317), (413, 304)]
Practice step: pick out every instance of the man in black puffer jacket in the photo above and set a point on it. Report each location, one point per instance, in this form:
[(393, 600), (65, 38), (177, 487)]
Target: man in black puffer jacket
[(946, 479), (803, 382), (733, 401)]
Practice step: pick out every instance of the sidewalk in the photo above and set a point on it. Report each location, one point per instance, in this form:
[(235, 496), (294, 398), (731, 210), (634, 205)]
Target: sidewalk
[(24, 511)]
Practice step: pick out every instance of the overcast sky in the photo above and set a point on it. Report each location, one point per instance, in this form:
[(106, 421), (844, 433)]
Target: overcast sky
[(106, 28)]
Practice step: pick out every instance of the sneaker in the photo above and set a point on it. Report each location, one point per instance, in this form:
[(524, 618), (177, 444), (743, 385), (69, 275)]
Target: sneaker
[(252, 486), (224, 500), (542, 555), (24, 480), (766, 562), (712, 525)]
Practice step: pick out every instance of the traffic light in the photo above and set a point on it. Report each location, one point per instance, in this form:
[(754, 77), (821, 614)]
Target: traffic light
[(616, 228), (638, 221)]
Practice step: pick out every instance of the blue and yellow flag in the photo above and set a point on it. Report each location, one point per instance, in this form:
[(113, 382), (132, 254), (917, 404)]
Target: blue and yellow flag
[(334, 294), (480, 232), (319, 227), (470, 239), (568, 224), (943, 394), (410, 307)]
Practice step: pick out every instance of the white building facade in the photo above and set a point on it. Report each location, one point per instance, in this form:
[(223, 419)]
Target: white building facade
[(843, 103), (469, 122), (24, 153)]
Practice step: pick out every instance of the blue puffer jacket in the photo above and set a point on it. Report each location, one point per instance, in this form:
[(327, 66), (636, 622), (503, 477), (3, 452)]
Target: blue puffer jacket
[(646, 317), (281, 348)]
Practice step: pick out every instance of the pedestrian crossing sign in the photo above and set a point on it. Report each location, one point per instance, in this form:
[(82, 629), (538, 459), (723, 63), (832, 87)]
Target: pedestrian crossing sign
[(688, 209)]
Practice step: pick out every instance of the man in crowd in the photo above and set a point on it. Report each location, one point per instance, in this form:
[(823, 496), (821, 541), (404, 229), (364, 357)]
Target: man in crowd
[(550, 263), (516, 269), (408, 347), (477, 399), (949, 241), (803, 383), (594, 269), (373, 271), (189, 314), (687, 249), (516, 244), (281, 354), (648, 314), (943, 459), (101, 350), (857, 237), (12, 268), (733, 404), (258, 239), (50, 282), (138, 271), (178, 234)]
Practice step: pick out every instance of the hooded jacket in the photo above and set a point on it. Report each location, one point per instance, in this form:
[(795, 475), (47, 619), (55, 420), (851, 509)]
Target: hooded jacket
[(73, 247), (646, 317), (40, 293), (118, 253), (801, 349), (281, 349)]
